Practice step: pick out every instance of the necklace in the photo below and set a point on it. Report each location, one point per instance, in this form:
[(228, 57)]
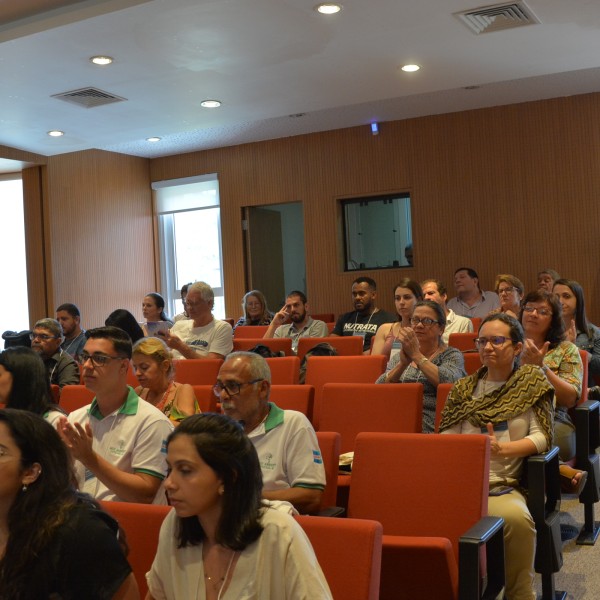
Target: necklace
[(72, 342), (218, 584)]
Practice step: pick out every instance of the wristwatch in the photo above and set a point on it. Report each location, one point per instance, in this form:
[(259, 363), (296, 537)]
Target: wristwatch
[(545, 368)]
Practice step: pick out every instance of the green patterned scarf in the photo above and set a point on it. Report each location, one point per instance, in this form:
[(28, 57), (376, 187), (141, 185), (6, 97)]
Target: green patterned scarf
[(526, 388)]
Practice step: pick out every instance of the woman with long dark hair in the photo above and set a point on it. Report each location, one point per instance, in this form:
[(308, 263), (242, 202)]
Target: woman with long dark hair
[(54, 542), (24, 383), (220, 542)]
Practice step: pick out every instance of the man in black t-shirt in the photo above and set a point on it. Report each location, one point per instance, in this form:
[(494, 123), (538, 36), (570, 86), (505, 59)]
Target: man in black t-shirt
[(365, 319)]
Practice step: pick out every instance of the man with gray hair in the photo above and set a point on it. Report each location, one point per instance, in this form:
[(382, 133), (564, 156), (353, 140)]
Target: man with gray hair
[(46, 338), (200, 336), (285, 441)]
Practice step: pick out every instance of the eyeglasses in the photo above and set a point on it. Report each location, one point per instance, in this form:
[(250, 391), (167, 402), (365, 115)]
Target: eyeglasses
[(506, 290), (426, 322), (98, 360), (42, 336), (232, 388), (496, 341), (189, 304), (543, 312)]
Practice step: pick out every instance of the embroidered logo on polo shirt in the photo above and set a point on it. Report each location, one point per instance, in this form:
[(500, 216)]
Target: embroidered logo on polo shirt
[(266, 464), (118, 450), (317, 458)]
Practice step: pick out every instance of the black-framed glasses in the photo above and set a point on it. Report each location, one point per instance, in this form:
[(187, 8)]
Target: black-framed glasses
[(98, 360), (42, 336), (543, 312), (426, 322), (496, 341), (232, 388)]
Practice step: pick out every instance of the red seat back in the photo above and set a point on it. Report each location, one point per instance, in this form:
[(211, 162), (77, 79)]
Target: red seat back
[(463, 341), (249, 331), (274, 344), (285, 370), (351, 408), (329, 444), (73, 397), (294, 397), (443, 389), (197, 371)]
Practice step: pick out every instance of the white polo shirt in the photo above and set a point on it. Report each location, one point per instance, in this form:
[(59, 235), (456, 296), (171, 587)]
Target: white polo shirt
[(288, 451), (132, 438)]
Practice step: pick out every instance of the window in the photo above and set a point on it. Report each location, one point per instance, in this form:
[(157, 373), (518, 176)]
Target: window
[(377, 232), (189, 227), (15, 310)]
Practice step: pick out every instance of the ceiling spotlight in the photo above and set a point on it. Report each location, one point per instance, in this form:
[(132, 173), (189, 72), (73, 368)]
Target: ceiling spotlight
[(328, 8), (153, 139), (410, 68), (56, 133), (101, 60), (210, 103)]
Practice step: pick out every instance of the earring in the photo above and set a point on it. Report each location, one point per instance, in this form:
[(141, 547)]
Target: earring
[(24, 488), (222, 490)]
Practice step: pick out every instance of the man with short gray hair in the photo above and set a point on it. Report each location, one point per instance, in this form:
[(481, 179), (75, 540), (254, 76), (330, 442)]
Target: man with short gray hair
[(200, 336), (46, 338), (285, 441)]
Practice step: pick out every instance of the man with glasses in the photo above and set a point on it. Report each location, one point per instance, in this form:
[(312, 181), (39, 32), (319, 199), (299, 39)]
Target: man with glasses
[(285, 441), (435, 290), (119, 440), (470, 300), (200, 336), (46, 339)]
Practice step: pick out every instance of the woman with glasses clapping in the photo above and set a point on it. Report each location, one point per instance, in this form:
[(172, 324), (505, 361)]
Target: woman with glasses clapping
[(424, 358), (546, 347)]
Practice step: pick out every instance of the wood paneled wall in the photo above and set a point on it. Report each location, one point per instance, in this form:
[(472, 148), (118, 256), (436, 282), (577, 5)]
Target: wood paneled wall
[(507, 189), (98, 229)]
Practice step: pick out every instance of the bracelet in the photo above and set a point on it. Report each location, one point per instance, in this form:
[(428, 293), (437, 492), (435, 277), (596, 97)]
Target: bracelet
[(545, 368), (423, 360)]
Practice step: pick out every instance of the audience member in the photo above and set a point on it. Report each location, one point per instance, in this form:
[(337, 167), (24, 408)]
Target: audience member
[(55, 543), (366, 318), (220, 541), (386, 341), (424, 358), (46, 338), (154, 369), (546, 279), (183, 315), (579, 330), (24, 384), (117, 440), (545, 346), (124, 320), (301, 324), (69, 317), (285, 440), (514, 406), (510, 290), (255, 309), (153, 311), (470, 300), (435, 290), (200, 336)]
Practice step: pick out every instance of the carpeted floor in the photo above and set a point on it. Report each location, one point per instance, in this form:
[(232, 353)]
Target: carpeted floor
[(580, 573)]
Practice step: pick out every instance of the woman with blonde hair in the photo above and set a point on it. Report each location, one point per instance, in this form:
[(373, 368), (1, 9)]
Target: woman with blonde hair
[(154, 369), (510, 290), (256, 311)]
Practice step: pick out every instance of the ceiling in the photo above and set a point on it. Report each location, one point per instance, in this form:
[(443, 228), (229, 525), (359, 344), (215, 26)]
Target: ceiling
[(279, 68)]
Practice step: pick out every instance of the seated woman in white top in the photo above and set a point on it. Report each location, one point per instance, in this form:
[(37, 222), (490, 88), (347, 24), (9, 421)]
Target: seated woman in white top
[(220, 542), (513, 405), (24, 384)]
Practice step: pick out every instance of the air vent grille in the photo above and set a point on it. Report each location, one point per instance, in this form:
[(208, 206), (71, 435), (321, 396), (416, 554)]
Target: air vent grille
[(486, 19), (89, 97)]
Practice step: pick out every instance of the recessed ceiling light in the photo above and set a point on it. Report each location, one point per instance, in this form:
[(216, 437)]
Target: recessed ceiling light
[(328, 8), (410, 68), (153, 139), (101, 60), (210, 103), (56, 133)]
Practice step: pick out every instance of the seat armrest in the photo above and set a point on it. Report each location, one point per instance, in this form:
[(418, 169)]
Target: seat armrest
[(587, 425), (488, 531), (543, 484), (331, 511)]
